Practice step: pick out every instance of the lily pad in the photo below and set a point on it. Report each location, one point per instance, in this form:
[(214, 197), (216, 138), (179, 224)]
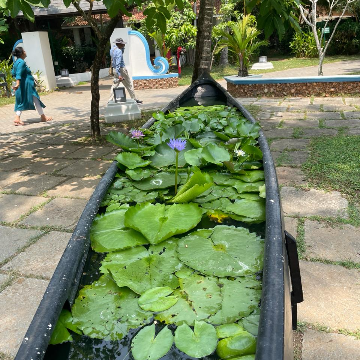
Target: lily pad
[(248, 208), (211, 153), (251, 322), (159, 222), (199, 298), (131, 160), (227, 330), (165, 156), (198, 343), (252, 176), (139, 174), (240, 297), (104, 311), (125, 142), (145, 346), (140, 269), (242, 186), (108, 233), (241, 344), (61, 333), (161, 180), (157, 299), (222, 251)]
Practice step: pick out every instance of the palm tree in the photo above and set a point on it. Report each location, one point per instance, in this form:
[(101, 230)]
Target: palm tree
[(203, 39), (241, 40)]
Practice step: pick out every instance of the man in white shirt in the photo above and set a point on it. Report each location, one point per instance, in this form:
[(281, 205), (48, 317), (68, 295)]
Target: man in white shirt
[(120, 72)]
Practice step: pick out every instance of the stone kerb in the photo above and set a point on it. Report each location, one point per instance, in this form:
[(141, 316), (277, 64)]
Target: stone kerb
[(294, 87)]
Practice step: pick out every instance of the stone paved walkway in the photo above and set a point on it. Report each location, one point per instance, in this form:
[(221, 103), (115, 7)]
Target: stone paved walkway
[(47, 175)]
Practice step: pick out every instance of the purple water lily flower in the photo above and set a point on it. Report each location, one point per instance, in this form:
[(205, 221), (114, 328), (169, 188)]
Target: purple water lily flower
[(177, 144), (136, 134)]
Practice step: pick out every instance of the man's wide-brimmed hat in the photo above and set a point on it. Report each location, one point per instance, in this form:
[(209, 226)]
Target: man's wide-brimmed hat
[(119, 41)]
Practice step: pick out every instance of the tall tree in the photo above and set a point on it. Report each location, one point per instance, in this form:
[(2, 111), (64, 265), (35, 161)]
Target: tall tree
[(310, 18), (203, 40), (115, 8)]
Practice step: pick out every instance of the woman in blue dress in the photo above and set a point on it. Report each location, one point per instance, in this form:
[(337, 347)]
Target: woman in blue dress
[(26, 96)]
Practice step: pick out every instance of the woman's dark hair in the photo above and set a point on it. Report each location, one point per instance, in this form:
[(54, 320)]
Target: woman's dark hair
[(18, 51)]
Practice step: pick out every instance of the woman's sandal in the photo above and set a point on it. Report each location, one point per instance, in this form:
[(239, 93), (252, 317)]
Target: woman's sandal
[(47, 118)]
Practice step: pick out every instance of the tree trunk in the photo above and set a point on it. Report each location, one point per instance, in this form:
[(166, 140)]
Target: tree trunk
[(224, 57), (203, 39), (242, 69), (95, 93)]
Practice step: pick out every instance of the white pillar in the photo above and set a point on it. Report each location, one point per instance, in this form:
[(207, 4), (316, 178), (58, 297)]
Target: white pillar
[(88, 39), (37, 47), (77, 39)]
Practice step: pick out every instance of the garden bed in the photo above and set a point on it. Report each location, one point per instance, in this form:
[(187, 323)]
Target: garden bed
[(183, 248), (293, 87)]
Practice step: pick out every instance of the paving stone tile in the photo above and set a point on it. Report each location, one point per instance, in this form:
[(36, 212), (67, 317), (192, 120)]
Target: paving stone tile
[(3, 279), (289, 158), (33, 184), (308, 133), (337, 107), (331, 296), (354, 131), (300, 123), (111, 156), (18, 304), (291, 225), (41, 258), (264, 115), (75, 187), (308, 107), (13, 239), (289, 144), (290, 115), (265, 101), (86, 168), (290, 176), (47, 166), (324, 242), (296, 202), (13, 206), (58, 151), (247, 101), (94, 152), (352, 114), (324, 115), (297, 101), (13, 163), (328, 100), (279, 133), (329, 346), (270, 123), (352, 101), (7, 177), (63, 213), (339, 123)]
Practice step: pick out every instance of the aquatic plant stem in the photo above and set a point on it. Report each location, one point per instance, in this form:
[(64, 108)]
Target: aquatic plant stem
[(176, 169)]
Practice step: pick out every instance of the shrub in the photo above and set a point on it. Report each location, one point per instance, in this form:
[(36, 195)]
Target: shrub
[(346, 39), (5, 68), (77, 58), (304, 45)]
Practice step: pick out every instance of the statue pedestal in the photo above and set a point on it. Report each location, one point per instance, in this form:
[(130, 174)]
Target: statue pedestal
[(122, 111)]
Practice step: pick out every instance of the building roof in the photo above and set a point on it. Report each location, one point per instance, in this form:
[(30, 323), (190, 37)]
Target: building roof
[(57, 8)]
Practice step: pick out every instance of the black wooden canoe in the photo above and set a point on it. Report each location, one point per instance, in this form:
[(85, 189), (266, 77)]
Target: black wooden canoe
[(281, 276)]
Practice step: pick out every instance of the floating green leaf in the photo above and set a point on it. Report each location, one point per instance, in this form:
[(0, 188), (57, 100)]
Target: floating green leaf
[(251, 322), (227, 330), (252, 176), (211, 153), (125, 142), (241, 344), (157, 299), (145, 346), (248, 208), (104, 311), (139, 174), (222, 251), (242, 186), (165, 156), (131, 160), (196, 185), (108, 233), (239, 298), (61, 333), (140, 269), (161, 180), (159, 222), (200, 343)]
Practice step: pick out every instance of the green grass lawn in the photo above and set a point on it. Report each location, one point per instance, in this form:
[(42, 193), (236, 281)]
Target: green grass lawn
[(280, 63), (334, 164)]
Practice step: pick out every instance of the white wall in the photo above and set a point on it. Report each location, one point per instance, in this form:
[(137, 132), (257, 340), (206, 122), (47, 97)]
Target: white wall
[(37, 47)]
